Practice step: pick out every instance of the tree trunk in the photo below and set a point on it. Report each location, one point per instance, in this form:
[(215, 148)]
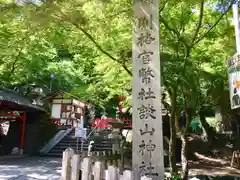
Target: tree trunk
[(206, 127), (184, 149), (184, 157), (172, 142), (177, 124)]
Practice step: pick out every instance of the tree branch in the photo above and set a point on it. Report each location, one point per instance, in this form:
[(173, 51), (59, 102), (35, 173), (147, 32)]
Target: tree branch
[(215, 24), (199, 22), (174, 31), (17, 57), (162, 20), (101, 49), (90, 37), (119, 13), (15, 62), (162, 8), (126, 69)]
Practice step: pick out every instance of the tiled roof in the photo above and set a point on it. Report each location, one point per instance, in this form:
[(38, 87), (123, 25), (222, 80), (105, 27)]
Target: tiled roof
[(13, 97)]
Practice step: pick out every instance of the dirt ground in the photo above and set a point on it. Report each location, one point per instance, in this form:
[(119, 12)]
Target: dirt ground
[(212, 167), (214, 160)]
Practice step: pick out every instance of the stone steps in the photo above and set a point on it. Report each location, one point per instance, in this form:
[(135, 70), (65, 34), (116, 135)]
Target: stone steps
[(71, 141)]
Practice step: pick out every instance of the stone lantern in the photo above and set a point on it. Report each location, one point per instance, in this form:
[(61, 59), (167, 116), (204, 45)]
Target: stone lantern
[(116, 134), (36, 95), (117, 137)]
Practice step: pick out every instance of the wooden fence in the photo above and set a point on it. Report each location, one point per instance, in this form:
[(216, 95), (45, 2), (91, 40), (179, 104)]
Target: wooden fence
[(75, 167)]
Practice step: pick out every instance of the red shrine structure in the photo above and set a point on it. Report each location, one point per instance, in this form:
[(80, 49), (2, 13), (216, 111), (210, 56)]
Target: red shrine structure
[(66, 110), (104, 123), (15, 108), (9, 115)]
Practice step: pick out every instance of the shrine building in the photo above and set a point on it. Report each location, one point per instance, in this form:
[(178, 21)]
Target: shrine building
[(66, 110), (18, 117)]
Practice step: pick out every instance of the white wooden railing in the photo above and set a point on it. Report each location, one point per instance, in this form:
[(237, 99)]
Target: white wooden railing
[(74, 167)]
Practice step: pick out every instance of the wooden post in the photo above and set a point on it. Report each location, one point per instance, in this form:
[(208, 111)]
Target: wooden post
[(98, 171), (112, 173), (127, 175), (66, 164), (86, 169), (24, 117), (147, 116), (75, 167), (145, 178)]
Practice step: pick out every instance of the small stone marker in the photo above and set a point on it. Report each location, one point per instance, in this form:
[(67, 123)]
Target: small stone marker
[(15, 151)]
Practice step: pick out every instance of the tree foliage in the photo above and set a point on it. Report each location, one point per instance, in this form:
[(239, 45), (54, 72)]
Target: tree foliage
[(87, 45)]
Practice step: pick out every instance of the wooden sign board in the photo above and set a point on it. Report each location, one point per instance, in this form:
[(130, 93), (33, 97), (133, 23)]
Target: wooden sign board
[(81, 132), (147, 116)]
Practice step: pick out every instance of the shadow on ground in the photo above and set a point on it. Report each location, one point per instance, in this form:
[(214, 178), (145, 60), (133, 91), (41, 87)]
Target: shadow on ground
[(30, 168), (208, 168)]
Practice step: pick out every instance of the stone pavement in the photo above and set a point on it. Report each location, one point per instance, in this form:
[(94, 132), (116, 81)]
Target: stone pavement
[(30, 168)]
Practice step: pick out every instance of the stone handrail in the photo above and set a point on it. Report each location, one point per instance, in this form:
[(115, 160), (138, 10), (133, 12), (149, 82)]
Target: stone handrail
[(56, 139)]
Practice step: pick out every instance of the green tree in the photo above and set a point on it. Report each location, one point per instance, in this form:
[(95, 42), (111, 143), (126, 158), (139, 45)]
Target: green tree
[(87, 45), (187, 29)]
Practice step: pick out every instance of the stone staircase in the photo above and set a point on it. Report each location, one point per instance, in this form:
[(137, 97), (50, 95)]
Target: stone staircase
[(102, 143)]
